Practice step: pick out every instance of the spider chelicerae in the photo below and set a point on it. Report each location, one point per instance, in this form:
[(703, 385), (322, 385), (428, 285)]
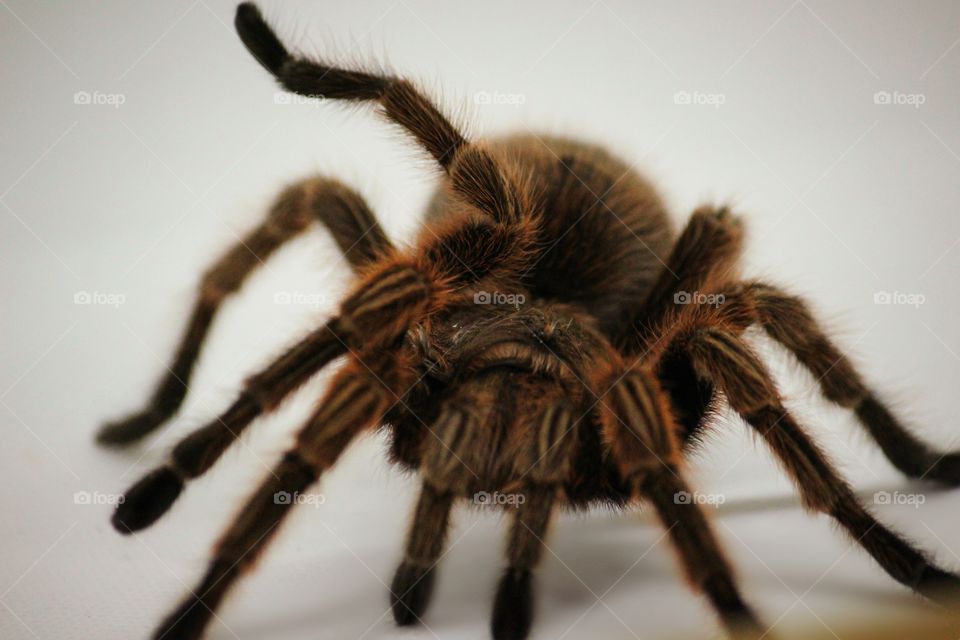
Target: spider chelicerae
[(548, 335)]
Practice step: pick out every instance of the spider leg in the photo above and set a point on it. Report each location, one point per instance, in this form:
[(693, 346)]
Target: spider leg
[(452, 456), (153, 495), (787, 320), (513, 604), (412, 584), (454, 430), (475, 175), (728, 362), (340, 209), (641, 432), (237, 550), (353, 403), (350, 221), (542, 465), (707, 249)]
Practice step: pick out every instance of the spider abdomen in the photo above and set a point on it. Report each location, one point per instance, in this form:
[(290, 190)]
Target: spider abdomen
[(605, 232)]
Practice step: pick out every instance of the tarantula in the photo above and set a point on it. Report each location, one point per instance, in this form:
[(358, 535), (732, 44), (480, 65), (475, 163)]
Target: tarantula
[(588, 388)]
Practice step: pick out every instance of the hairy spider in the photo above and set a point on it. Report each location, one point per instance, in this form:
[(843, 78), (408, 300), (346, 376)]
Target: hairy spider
[(588, 389)]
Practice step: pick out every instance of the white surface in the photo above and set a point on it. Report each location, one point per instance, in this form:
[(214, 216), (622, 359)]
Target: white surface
[(843, 197)]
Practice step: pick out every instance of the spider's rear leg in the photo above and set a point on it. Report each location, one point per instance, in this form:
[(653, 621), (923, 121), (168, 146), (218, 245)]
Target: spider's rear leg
[(344, 213), (787, 320), (641, 434), (353, 403), (706, 252), (708, 249), (728, 362)]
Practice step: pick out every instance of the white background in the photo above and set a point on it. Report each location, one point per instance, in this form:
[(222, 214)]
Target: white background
[(843, 198)]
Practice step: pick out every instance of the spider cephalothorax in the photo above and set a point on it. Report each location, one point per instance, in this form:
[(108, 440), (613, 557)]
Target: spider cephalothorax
[(548, 335)]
